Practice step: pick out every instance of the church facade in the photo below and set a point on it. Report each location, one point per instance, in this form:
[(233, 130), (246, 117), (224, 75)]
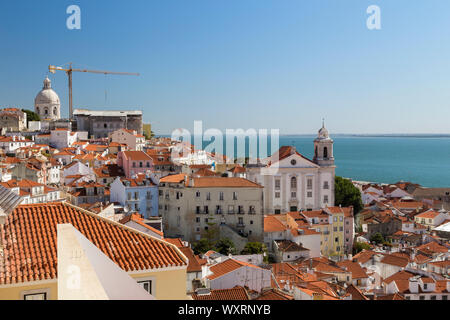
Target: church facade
[(47, 104), (293, 182)]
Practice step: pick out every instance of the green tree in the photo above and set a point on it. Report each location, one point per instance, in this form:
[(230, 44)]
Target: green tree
[(225, 246), (346, 194), (360, 246), (377, 238), (202, 246), (31, 116), (253, 248)]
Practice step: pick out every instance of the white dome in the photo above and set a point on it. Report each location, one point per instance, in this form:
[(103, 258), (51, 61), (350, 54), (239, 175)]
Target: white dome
[(47, 96), (323, 132), (47, 104)]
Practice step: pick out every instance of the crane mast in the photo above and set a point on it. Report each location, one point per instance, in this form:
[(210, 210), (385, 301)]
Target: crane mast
[(69, 72)]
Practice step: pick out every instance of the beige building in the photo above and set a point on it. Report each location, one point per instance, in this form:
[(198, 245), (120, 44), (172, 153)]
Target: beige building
[(13, 119), (194, 208)]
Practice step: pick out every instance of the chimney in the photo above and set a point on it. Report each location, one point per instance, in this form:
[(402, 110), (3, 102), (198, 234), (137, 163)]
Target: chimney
[(414, 285), (3, 217)]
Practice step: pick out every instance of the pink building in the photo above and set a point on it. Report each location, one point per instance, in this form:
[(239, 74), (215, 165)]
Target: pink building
[(134, 162)]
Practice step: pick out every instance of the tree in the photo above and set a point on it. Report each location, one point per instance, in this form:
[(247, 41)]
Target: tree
[(360, 246), (31, 116), (346, 194), (254, 248), (225, 246), (377, 238), (202, 246)]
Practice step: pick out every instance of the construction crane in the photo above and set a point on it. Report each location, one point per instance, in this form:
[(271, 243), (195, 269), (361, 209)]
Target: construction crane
[(69, 71)]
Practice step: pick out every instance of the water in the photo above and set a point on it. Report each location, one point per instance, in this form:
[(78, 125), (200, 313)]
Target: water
[(422, 160), (384, 159)]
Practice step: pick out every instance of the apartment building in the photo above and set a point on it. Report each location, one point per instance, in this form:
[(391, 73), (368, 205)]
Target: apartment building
[(196, 207)]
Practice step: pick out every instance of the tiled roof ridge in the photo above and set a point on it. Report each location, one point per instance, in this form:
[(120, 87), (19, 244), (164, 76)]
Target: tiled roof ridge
[(185, 259)]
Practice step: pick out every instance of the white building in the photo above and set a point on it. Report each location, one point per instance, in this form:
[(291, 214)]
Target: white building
[(230, 273), (46, 103), (134, 141), (292, 182)]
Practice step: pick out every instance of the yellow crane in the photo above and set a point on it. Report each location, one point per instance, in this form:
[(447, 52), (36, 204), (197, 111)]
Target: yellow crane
[(69, 71)]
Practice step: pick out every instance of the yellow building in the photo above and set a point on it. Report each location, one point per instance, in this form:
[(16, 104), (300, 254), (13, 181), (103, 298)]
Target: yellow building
[(28, 255)]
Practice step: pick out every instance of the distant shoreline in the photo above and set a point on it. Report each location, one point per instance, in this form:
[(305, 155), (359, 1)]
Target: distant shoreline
[(361, 135)]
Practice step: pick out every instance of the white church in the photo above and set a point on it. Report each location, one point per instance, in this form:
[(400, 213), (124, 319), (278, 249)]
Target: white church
[(293, 182), (46, 103)]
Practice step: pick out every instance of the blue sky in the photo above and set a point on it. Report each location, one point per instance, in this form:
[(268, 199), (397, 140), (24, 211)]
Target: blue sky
[(239, 64)]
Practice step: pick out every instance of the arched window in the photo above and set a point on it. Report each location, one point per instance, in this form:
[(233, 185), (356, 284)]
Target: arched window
[(54, 111), (315, 152), (293, 183), (37, 110), (46, 111), (325, 152)]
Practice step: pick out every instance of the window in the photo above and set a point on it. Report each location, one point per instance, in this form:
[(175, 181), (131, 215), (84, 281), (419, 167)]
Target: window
[(341, 218), (234, 195), (325, 199), (208, 196), (277, 211), (251, 209), (221, 195), (422, 298), (218, 209), (240, 209), (326, 185), (335, 219), (309, 194), (197, 194), (197, 209), (293, 183), (294, 195), (35, 296), (336, 239), (325, 152), (205, 209), (277, 195), (444, 297), (147, 285), (241, 221), (230, 209), (129, 195), (433, 298), (309, 184), (277, 184), (136, 195)]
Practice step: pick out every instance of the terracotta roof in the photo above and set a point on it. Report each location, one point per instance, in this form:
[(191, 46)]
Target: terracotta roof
[(139, 220), (395, 260), (236, 293), (29, 242), (227, 266), (394, 296), (430, 214), (274, 294), (223, 182), (433, 247), (173, 178), (354, 267), (356, 293), (136, 155), (272, 224)]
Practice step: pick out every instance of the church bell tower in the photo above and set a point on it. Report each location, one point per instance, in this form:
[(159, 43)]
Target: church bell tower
[(323, 148)]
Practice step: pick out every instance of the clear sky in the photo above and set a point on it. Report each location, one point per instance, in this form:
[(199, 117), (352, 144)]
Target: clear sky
[(239, 63)]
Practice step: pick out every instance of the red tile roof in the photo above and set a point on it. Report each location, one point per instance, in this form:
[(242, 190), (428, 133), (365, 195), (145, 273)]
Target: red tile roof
[(227, 266), (29, 242), (236, 293)]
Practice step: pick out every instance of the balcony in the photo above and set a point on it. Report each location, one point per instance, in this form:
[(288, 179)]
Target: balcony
[(240, 225)]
